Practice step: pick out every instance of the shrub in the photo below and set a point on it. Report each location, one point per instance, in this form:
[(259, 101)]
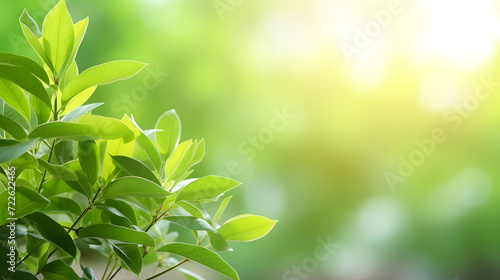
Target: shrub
[(72, 182)]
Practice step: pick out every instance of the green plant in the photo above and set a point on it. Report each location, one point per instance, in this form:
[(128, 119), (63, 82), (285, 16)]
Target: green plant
[(71, 180)]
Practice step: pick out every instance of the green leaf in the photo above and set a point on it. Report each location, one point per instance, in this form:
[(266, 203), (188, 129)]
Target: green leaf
[(23, 275), (27, 202), (89, 273), (88, 156), (115, 216), (190, 222), (58, 270), (26, 63), (124, 208), (168, 133), (52, 231), (26, 160), (78, 112), (26, 80), (64, 205), (59, 172), (78, 100), (79, 30), (64, 151), (130, 255), (135, 168), (100, 75), (205, 188), (218, 242), (10, 150), (119, 233), (147, 145), (191, 209), (87, 128), (32, 34), (185, 156), (202, 256), (42, 112), (221, 208), (189, 274), (12, 127), (246, 227), (133, 186), (58, 35), (13, 95)]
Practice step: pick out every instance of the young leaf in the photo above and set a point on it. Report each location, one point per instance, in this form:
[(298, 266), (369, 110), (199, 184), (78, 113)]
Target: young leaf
[(205, 188), (100, 75), (133, 186), (58, 270), (202, 256), (130, 255), (58, 35), (191, 209), (12, 127), (89, 160), (135, 168), (32, 34), (218, 242), (78, 100), (119, 233), (221, 208), (246, 228), (27, 202), (10, 150), (168, 133), (147, 145), (13, 95), (79, 31), (190, 222), (52, 231), (59, 172)]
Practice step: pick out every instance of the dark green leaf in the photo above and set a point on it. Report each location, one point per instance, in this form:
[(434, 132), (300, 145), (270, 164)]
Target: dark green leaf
[(124, 208), (89, 273), (202, 256), (64, 205), (12, 127), (58, 270), (133, 186), (52, 231), (26, 80), (135, 168), (26, 63), (23, 275), (130, 255), (119, 233), (88, 155)]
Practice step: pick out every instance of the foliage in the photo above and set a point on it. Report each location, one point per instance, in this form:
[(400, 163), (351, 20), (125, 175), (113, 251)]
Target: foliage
[(88, 182)]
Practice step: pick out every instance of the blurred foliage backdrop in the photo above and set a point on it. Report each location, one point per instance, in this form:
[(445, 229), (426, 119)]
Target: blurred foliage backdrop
[(313, 105)]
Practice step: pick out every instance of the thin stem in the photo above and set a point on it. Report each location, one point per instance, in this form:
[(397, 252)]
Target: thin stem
[(107, 265), (39, 189), (167, 270)]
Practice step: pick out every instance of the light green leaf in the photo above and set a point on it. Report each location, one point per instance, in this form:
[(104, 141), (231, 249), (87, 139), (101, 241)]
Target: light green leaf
[(25, 63), (130, 255), (205, 188), (135, 168), (12, 127), (168, 133), (64, 205), (221, 208), (14, 96), (88, 127), (119, 233), (27, 202), (133, 186), (79, 30), (52, 231), (26, 160), (10, 150), (190, 222), (58, 270), (88, 155), (58, 35), (59, 172), (191, 209), (185, 156), (189, 274), (42, 112), (148, 147), (100, 75), (32, 34), (202, 256), (124, 208), (246, 228), (78, 112), (30, 24), (64, 151), (78, 100)]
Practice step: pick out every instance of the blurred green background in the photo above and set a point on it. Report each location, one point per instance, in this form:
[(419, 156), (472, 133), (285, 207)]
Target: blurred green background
[(313, 105)]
